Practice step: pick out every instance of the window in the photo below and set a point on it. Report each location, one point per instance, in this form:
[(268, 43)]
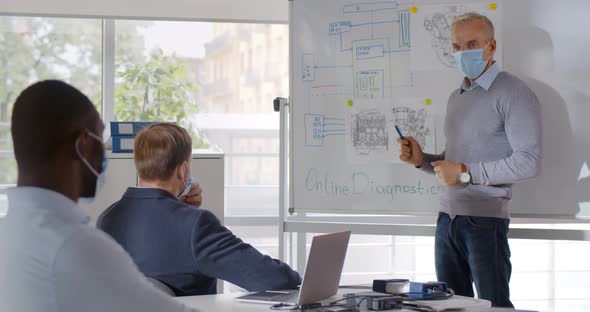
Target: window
[(378, 256), (35, 48), (210, 85), (158, 76)]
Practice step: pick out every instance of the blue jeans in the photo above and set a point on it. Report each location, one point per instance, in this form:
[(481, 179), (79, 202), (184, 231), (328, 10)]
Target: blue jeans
[(474, 250)]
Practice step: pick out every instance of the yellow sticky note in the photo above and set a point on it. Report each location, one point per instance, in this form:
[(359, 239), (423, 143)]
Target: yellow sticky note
[(349, 103), (493, 6), (413, 9), (427, 101)]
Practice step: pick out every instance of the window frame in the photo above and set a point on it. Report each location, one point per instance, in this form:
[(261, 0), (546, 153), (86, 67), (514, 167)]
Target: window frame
[(108, 99)]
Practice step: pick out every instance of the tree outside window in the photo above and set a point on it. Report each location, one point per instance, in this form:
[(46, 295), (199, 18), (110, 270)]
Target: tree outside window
[(150, 87)]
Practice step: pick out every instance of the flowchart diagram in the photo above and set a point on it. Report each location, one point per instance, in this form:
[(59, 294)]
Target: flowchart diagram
[(370, 46), (318, 128), (372, 33), (368, 55), (360, 68)]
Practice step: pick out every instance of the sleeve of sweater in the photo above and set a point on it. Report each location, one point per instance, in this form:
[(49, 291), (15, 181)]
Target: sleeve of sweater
[(217, 252), (522, 123), (428, 159)]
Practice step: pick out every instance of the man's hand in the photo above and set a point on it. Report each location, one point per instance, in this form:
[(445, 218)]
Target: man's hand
[(447, 171), (194, 196), (410, 151)]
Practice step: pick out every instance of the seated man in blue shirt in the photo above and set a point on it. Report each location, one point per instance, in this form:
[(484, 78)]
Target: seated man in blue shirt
[(185, 247)]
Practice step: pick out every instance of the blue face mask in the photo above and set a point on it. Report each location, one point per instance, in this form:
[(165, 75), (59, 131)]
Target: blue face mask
[(187, 187), (470, 62)]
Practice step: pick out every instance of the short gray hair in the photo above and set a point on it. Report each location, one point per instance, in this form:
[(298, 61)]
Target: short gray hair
[(473, 16)]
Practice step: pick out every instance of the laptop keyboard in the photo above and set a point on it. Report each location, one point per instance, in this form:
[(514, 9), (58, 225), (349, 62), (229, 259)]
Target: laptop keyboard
[(290, 297), (274, 296)]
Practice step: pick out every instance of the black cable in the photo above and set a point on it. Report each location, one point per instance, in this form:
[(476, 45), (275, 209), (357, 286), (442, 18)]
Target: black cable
[(417, 307), (342, 306), (312, 307), (360, 296), (358, 305), (402, 297)]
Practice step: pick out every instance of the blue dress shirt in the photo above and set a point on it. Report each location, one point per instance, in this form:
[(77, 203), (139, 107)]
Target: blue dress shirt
[(484, 81)]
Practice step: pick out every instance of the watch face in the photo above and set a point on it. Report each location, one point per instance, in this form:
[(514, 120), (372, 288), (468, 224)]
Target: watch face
[(464, 177)]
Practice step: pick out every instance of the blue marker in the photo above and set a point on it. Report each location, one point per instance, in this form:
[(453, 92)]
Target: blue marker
[(401, 136)]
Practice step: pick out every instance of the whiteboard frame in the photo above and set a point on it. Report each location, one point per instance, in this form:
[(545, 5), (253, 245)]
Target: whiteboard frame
[(418, 224), (289, 153), (427, 230)]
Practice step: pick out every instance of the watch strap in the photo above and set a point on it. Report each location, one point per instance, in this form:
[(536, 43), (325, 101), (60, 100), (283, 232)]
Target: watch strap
[(464, 170)]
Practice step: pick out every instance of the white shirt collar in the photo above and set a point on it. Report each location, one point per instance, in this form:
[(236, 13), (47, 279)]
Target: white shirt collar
[(27, 197)]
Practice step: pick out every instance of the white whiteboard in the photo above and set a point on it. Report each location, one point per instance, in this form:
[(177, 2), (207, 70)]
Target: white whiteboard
[(359, 67)]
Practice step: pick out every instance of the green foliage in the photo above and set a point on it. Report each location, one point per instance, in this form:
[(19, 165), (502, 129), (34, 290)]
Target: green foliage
[(159, 89), (33, 49), (155, 87)]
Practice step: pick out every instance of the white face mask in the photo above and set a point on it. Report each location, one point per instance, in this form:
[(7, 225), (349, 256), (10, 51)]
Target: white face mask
[(100, 176)]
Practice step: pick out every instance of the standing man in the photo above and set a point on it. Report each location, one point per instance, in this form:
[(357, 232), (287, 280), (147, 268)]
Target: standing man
[(51, 258), (493, 131)]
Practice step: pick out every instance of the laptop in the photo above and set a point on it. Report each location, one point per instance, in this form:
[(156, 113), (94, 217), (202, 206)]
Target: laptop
[(322, 273)]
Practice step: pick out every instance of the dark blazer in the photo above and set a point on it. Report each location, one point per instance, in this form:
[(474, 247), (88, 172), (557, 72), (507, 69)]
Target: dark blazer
[(188, 248)]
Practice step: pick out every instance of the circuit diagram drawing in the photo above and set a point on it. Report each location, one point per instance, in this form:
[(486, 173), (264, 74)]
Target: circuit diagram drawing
[(438, 25), (414, 123), (369, 131)]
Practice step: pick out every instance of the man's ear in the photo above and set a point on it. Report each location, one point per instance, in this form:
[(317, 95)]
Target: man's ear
[(180, 171), (83, 144), (493, 45)]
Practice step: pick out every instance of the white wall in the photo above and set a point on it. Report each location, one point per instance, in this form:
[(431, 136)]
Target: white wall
[(230, 10), (207, 169)]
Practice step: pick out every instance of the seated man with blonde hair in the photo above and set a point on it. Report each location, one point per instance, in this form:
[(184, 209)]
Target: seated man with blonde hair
[(185, 247)]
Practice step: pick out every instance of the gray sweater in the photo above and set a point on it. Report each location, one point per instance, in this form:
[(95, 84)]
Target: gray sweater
[(497, 134)]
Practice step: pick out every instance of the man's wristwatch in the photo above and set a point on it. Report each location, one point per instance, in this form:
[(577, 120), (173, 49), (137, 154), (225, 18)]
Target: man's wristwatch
[(464, 177)]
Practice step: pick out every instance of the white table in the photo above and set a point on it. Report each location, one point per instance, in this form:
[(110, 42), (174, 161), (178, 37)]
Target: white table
[(227, 302)]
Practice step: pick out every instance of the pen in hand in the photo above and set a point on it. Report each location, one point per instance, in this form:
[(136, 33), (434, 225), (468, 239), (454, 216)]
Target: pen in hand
[(401, 136)]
